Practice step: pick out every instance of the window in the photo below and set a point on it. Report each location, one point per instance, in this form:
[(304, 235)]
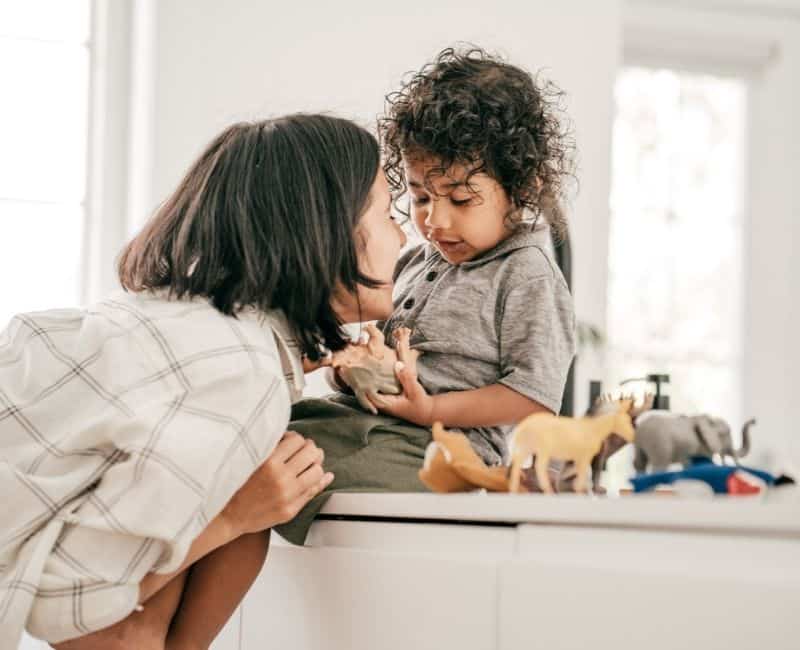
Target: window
[(675, 301), (44, 120)]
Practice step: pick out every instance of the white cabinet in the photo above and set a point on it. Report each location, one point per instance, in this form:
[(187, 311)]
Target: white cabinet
[(503, 572), (592, 588), (352, 591)]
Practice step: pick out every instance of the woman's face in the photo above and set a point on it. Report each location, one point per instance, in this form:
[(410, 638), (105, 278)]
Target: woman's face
[(378, 240)]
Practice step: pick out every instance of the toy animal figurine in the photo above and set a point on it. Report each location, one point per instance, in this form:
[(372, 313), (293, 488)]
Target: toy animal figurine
[(664, 438), (367, 367), (576, 439), (451, 465), (607, 404), (722, 479)]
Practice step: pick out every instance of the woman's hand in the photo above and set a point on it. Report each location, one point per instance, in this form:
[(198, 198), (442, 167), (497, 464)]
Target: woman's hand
[(414, 404), (279, 488)]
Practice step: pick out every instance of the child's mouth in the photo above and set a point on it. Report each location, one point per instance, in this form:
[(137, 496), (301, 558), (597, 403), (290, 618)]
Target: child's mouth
[(449, 246)]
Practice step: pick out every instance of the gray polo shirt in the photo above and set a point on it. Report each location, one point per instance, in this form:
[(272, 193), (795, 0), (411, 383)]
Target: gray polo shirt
[(504, 317)]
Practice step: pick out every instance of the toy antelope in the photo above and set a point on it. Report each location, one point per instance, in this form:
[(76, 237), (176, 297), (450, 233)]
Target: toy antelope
[(576, 439)]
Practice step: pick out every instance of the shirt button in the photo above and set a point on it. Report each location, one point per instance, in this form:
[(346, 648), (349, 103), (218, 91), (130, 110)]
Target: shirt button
[(431, 276), (408, 304)]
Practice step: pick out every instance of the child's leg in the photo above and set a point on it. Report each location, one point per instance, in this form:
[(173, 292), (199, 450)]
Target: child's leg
[(215, 587)]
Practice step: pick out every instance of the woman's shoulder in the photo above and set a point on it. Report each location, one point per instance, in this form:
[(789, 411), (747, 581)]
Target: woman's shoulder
[(189, 338)]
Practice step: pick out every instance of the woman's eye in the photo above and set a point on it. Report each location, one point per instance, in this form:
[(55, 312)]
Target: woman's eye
[(459, 202), (419, 200)]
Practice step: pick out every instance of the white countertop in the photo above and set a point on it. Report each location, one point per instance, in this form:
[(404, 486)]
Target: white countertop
[(747, 515)]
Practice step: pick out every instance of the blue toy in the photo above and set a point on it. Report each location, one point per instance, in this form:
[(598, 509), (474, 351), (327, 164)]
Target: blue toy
[(700, 469)]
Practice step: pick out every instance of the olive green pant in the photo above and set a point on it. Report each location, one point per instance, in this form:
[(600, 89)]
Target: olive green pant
[(366, 453)]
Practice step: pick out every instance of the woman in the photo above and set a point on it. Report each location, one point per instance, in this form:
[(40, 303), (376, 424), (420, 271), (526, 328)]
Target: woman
[(128, 431)]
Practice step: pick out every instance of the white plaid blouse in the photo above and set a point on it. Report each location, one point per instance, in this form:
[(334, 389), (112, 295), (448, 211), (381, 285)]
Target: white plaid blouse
[(124, 429)]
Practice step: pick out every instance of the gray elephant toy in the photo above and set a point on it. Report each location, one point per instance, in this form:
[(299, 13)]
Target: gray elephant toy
[(663, 438)]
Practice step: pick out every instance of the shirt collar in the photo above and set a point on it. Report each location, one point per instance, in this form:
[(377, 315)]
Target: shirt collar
[(526, 235)]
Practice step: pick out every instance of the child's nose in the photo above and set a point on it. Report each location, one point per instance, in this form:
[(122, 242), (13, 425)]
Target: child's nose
[(438, 216)]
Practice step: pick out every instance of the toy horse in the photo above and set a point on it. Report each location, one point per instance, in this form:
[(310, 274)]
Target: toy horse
[(577, 439)]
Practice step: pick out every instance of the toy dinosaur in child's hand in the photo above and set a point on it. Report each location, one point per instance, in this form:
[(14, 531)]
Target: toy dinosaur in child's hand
[(413, 403), (368, 367)]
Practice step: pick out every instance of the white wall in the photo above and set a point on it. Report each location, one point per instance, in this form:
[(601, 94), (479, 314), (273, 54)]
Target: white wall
[(772, 323), (734, 37), (216, 62), (210, 63)]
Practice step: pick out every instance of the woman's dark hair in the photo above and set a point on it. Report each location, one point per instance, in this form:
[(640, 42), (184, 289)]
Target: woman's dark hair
[(471, 108), (266, 218)]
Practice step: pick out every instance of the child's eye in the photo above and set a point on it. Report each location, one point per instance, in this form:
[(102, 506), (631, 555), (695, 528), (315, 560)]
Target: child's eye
[(419, 200), (459, 202)]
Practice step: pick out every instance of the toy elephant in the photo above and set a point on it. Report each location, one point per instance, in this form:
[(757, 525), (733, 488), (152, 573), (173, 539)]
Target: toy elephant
[(663, 438)]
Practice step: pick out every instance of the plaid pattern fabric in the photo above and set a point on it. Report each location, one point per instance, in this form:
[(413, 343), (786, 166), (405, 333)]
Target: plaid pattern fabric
[(124, 429)]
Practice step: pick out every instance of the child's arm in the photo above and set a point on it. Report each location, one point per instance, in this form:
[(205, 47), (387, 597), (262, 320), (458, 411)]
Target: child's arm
[(492, 405), (487, 406)]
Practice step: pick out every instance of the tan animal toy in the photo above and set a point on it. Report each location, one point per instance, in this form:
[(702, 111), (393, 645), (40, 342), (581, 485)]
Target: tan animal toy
[(368, 366), (451, 465), (607, 404), (577, 439)]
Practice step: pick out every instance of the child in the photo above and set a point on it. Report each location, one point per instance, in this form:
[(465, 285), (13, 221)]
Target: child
[(478, 146)]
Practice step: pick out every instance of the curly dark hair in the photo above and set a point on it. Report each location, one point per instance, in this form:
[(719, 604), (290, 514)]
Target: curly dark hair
[(472, 108)]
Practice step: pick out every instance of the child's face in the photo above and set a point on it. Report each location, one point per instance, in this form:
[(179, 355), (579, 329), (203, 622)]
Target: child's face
[(461, 222), (379, 240)]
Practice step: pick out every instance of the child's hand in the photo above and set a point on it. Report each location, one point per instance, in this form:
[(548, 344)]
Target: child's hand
[(414, 404)]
